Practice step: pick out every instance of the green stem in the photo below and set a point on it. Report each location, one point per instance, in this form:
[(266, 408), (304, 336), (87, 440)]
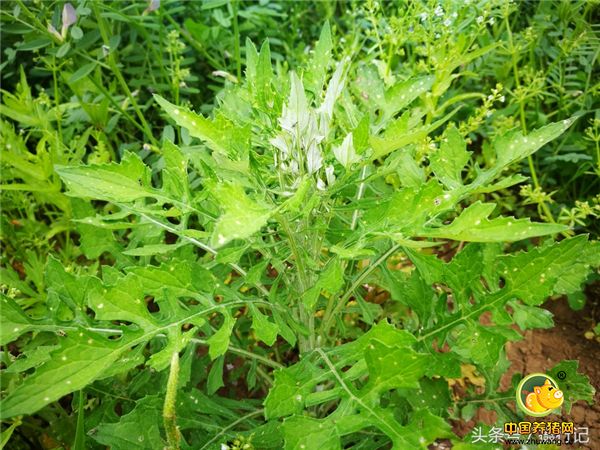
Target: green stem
[(246, 353), (265, 376), (117, 72), (236, 42), (197, 243), (534, 176), (302, 281), (116, 104), (37, 22), (79, 441), (332, 311), (169, 409), (373, 21), (193, 42), (224, 431)]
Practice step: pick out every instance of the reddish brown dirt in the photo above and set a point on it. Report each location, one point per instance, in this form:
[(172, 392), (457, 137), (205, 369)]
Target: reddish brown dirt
[(541, 350)]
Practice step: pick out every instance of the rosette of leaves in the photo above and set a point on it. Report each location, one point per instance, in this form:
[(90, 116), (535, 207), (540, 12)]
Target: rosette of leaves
[(296, 192)]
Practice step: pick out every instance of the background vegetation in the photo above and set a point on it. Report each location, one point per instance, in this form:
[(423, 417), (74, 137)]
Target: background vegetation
[(109, 183)]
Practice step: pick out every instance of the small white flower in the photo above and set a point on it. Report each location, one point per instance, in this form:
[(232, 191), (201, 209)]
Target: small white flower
[(438, 35), (492, 21), (454, 15), (439, 11), (480, 19), (447, 22), (423, 16), (320, 186), (503, 99)]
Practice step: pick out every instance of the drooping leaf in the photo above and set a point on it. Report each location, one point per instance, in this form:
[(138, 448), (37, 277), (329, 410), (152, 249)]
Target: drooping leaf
[(85, 355), (197, 125), (215, 376), (390, 141), (560, 268), (31, 358), (345, 153), (331, 280), (513, 146), (230, 142), (14, 321)]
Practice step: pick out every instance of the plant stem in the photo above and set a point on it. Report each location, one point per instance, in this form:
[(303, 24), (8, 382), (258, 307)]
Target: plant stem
[(79, 441), (302, 280), (169, 409), (332, 312), (534, 177), (197, 243), (224, 430), (236, 42), (117, 72), (246, 353), (193, 42), (359, 194)]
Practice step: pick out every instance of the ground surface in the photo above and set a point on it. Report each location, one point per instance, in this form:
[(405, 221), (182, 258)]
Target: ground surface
[(543, 349)]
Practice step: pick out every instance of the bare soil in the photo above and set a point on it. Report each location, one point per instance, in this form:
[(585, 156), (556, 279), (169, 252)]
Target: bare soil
[(541, 350)]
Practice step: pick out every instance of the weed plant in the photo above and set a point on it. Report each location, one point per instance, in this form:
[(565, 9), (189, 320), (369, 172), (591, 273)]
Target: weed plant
[(212, 245)]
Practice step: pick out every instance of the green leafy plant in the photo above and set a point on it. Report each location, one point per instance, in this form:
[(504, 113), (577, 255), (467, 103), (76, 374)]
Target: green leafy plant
[(256, 238), (512, 73)]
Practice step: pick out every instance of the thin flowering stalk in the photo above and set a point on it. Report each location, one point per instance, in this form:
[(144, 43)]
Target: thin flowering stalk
[(534, 177)]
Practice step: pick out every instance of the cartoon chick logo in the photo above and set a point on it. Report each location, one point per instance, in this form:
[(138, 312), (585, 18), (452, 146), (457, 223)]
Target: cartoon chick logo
[(538, 395)]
